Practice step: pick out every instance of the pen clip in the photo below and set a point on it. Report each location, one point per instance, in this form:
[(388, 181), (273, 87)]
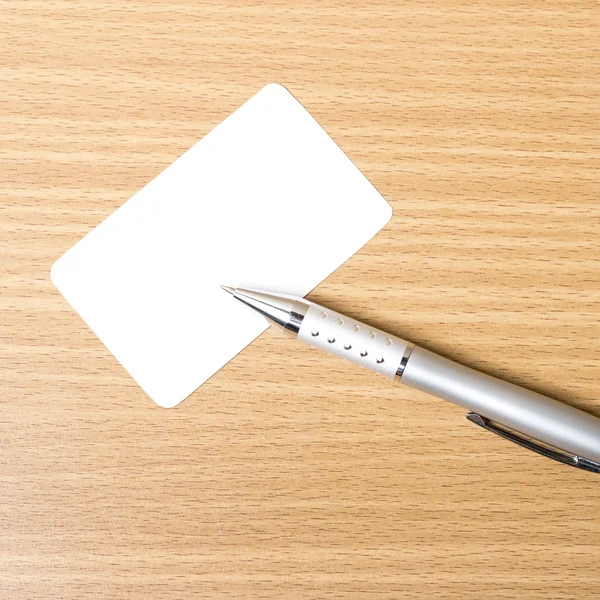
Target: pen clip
[(531, 444)]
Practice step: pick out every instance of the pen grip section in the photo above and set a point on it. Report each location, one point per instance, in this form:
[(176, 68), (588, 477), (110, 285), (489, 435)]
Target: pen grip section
[(350, 339), (527, 412)]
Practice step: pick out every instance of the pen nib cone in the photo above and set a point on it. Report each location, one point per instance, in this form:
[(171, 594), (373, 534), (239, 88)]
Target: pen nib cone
[(228, 289)]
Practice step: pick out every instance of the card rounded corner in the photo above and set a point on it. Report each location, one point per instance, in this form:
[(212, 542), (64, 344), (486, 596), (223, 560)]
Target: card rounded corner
[(55, 273), (389, 213), (275, 87), (166, 402)]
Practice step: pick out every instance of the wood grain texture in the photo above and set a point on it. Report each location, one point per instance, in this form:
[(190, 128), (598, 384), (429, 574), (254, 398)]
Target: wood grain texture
[(479, 122)]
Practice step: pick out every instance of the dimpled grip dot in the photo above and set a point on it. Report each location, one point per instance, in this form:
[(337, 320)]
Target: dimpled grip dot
[(352, 340)]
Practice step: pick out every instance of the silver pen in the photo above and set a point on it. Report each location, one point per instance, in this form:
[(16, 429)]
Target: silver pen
[(527, 418)]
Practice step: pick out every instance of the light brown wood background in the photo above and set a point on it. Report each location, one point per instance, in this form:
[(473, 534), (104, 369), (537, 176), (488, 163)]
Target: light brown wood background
[(291, 474)]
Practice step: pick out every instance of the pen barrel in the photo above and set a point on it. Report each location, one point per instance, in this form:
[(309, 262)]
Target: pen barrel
[(527, 412), (357, 342)]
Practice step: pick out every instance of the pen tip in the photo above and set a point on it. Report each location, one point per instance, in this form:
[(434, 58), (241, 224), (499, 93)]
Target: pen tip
[(228, 289)]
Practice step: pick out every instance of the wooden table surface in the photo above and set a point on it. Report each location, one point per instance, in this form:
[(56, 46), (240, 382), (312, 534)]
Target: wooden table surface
[(479, 122)]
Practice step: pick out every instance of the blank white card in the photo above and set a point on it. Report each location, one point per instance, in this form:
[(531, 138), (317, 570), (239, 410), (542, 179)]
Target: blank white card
[(266, 200)]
